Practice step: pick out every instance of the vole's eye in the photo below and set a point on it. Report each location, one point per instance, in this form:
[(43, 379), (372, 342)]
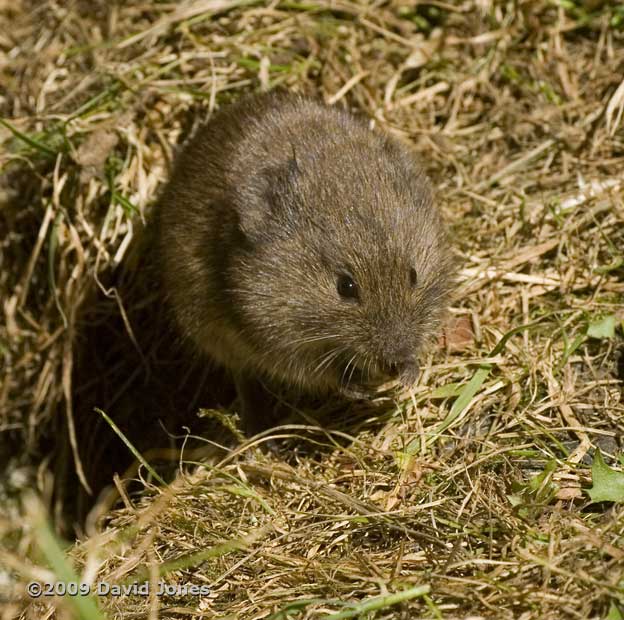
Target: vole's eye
[(413, 277), (347, 287)]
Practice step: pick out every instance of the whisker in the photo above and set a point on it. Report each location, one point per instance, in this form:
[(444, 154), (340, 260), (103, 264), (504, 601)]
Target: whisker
[(342, 382), (369, 364), (326, 358), (309, 339), (353, 369)]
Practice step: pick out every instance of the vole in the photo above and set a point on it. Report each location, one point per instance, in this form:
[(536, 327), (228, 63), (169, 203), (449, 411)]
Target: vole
[(299, 246)]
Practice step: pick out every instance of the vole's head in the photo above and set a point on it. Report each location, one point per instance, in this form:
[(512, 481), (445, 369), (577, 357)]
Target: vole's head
[(344, 270)]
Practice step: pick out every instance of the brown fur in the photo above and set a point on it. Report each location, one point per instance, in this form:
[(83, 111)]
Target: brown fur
[(269, 203)]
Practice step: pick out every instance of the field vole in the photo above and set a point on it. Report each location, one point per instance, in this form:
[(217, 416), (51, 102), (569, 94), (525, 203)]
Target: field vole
[(299, 246)]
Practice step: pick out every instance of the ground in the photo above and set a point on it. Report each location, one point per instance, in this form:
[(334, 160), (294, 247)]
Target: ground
[(492, 489)]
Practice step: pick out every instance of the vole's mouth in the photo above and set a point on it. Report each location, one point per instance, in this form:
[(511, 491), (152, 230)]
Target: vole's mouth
[(366, 379), (352, 375), (357, 381)]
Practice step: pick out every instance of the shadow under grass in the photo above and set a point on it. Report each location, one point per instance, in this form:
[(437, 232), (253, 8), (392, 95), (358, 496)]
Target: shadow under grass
[(129, 363)]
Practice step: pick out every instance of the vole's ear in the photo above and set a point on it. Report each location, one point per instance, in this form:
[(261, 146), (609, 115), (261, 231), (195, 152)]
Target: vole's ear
[(411, 177), (267, 203)]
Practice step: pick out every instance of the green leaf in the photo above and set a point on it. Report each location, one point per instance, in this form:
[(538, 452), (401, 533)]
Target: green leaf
[(616, 263), (608, 484), (529, 498), (243, 491), (467, 393), (570, 348), (614, 613), (446, 391), (540, 481), (602, 328)]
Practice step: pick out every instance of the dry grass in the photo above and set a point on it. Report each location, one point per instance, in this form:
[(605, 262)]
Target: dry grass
[(472, 484)]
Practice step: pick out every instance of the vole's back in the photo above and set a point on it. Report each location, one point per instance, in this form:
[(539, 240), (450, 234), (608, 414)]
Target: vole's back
[(298, 244)]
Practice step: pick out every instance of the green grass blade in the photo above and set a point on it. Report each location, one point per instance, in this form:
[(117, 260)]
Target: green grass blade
[(465, 396), (84, 606), (132, 449), (40, 146), (379, 602), (51, 260)]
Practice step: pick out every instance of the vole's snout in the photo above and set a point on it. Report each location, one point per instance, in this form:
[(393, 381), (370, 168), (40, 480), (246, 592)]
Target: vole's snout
[(410, 373), (403, 367), (392, 370)]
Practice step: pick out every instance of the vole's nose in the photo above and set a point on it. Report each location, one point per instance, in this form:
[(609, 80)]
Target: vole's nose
[(391, 369), (404, 367)]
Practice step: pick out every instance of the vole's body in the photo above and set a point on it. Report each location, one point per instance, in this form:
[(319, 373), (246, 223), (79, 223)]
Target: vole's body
[(298, 245)]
